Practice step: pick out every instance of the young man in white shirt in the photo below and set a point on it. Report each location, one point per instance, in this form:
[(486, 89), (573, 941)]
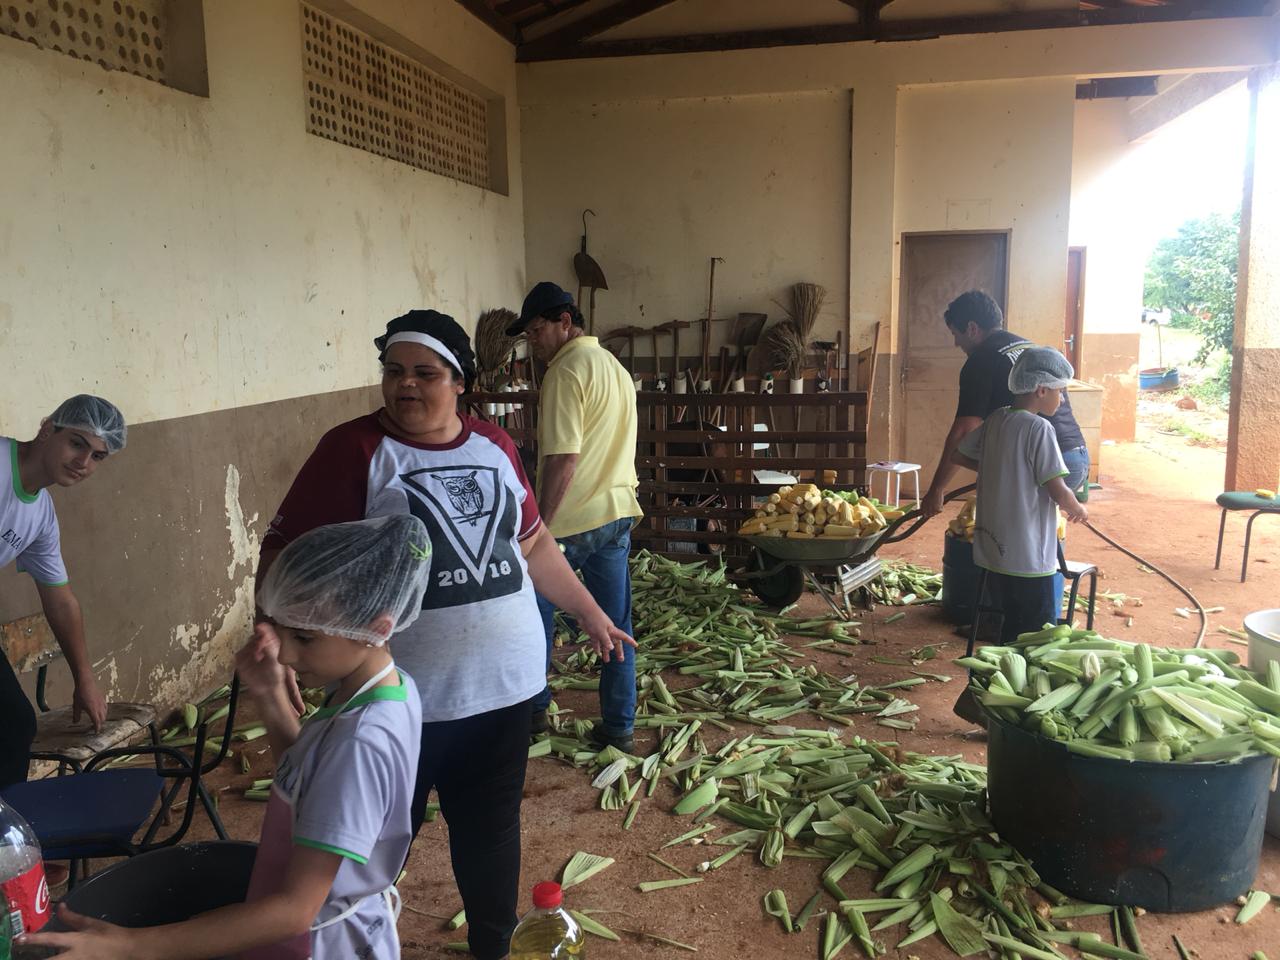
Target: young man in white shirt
[(71, 444)]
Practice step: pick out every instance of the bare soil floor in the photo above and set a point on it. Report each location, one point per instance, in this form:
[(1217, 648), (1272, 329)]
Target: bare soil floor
[(1157, 499)]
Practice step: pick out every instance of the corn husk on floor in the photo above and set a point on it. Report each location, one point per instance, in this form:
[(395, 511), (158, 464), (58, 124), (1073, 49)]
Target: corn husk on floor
[(711, 662)]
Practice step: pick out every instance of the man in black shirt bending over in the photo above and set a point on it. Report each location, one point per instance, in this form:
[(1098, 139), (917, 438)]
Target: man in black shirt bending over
[(975, 322)]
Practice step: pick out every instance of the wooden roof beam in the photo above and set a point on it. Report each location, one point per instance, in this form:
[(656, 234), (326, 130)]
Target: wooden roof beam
[(489, 17), (884, 30), (572, 34)]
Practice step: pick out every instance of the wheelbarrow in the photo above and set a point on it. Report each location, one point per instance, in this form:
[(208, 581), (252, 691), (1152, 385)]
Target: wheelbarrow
[(778, 568)]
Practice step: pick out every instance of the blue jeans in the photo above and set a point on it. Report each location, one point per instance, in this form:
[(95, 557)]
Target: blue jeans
[(1077, 462), (602, 557)]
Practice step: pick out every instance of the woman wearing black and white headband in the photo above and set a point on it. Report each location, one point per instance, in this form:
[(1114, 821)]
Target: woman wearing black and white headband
[(477, 652)]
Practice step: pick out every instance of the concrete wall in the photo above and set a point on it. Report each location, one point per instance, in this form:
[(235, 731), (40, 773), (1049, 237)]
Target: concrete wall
[(762, 181), (218, 272), (1106, 185)]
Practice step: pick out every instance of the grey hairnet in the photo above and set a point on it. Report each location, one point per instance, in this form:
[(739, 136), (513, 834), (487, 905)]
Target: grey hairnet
[(1039, 367), (340, 579), (92, 415)]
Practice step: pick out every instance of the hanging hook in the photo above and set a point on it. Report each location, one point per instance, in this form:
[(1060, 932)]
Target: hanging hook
[(584, 218)]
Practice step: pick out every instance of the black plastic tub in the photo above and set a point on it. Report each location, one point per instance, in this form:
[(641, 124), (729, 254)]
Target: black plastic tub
[(163, 886), (1169, 837)]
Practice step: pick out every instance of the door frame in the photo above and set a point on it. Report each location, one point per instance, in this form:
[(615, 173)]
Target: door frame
[(1081, 280), (903, 344)]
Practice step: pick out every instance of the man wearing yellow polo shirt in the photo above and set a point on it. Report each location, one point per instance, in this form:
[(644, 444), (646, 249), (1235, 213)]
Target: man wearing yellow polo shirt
[(586, 483)]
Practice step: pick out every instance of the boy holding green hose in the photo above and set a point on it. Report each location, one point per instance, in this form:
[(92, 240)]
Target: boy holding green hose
[(1020, 473)]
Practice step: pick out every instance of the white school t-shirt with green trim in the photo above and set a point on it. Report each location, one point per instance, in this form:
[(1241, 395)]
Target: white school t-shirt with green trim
[(1017, 521), (28, 525)]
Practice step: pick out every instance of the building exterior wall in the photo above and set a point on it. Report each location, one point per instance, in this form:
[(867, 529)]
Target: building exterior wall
[(219, 273)]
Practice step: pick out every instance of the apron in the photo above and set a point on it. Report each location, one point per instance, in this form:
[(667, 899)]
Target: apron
[(276, 845)]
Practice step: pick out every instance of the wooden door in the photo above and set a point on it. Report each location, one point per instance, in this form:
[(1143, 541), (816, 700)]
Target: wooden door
[(936, 268), (1075, 307)]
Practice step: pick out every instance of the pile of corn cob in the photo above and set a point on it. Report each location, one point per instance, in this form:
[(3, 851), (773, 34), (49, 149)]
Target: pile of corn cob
[(961, 526), (803, 512), (1130, 701)]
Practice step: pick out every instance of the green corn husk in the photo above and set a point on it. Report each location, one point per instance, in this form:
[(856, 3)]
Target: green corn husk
[(582, 867), (1253, 904), (648, 886), (775, 904)]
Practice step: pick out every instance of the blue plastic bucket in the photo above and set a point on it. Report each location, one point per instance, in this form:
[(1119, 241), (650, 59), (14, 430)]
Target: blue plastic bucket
[(1170, 837), (1158, 378)]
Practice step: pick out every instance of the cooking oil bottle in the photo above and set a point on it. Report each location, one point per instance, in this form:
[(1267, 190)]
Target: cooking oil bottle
[(548, 932)]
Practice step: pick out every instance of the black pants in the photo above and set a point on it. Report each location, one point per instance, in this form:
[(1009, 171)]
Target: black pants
[(476, 766), (17, 727), (1026, 603)]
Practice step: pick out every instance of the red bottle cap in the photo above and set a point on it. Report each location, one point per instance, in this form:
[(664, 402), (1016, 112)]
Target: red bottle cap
[(547, 896)]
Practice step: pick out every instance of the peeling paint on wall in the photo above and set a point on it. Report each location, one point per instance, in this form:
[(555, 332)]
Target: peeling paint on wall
[(210, 661), (244, 541)]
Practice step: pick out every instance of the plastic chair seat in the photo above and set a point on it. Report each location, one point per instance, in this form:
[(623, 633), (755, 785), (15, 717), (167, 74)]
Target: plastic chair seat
[(85, 815), (1243, 500), (56, 734)]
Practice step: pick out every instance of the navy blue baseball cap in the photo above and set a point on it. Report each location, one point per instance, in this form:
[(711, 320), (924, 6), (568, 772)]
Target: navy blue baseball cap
[(542, 299)]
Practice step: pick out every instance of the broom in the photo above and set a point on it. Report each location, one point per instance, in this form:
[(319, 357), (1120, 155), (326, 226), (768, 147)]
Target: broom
[(493, 346)]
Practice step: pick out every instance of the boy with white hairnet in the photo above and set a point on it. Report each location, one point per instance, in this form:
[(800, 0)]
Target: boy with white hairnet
[(71, 444), (337, 827), (1020, 473)]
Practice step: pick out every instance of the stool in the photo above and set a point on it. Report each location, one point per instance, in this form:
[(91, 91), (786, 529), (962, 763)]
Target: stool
[(894, 469), (1240, 500)]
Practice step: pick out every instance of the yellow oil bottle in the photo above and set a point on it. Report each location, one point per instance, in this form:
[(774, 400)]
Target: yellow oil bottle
[(548, 932)]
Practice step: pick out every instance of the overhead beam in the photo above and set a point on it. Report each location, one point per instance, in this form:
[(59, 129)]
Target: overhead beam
[(590, 25), (885, 30), (486, 15)]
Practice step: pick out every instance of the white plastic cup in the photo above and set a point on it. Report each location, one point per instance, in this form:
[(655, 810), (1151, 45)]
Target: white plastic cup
[(797, 385)]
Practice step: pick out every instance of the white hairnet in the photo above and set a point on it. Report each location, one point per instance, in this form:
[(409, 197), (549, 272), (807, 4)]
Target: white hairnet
[(342, 578), (92, 415), (1039, 367)]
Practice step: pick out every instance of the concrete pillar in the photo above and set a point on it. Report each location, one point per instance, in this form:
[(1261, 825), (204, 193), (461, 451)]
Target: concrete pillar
[(1253, 443)]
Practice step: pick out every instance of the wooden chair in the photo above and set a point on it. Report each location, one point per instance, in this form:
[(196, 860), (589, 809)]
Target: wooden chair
[(29, 644)]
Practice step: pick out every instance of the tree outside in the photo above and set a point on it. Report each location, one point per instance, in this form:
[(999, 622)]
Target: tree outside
[(1193, 274)]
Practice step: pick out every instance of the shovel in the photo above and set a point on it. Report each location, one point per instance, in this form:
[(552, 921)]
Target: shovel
[(589, 272)]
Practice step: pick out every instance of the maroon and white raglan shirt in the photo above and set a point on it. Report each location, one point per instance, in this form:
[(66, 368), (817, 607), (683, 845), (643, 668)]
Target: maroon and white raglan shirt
[(479, 644)]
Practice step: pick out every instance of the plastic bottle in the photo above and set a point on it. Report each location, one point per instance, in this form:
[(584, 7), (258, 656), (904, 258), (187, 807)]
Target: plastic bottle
[(24, 893), (547, 932)]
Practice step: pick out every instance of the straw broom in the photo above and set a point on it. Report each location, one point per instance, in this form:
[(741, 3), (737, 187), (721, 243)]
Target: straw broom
[(493, 346)]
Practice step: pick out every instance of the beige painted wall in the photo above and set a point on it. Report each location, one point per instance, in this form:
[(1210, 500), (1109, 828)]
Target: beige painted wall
[(219, 273), (185, 254), (1106, 183), (762, 181)]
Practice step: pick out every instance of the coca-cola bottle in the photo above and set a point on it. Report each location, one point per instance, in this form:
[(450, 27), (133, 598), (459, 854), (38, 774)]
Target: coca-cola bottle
[(24, 893)]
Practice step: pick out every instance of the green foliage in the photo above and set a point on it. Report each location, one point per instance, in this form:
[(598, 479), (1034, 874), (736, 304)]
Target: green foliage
[(1194, 275)]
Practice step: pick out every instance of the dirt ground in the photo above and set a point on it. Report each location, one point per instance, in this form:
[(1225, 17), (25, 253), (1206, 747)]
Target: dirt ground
[(1157, 498)]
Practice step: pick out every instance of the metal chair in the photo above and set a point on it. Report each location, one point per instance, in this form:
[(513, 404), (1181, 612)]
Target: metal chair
[(29, 644), (1239, 500), (98, 812)]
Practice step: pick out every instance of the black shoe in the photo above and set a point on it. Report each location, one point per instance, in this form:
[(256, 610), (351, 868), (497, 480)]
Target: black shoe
[(539, 724), (626, 743)]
